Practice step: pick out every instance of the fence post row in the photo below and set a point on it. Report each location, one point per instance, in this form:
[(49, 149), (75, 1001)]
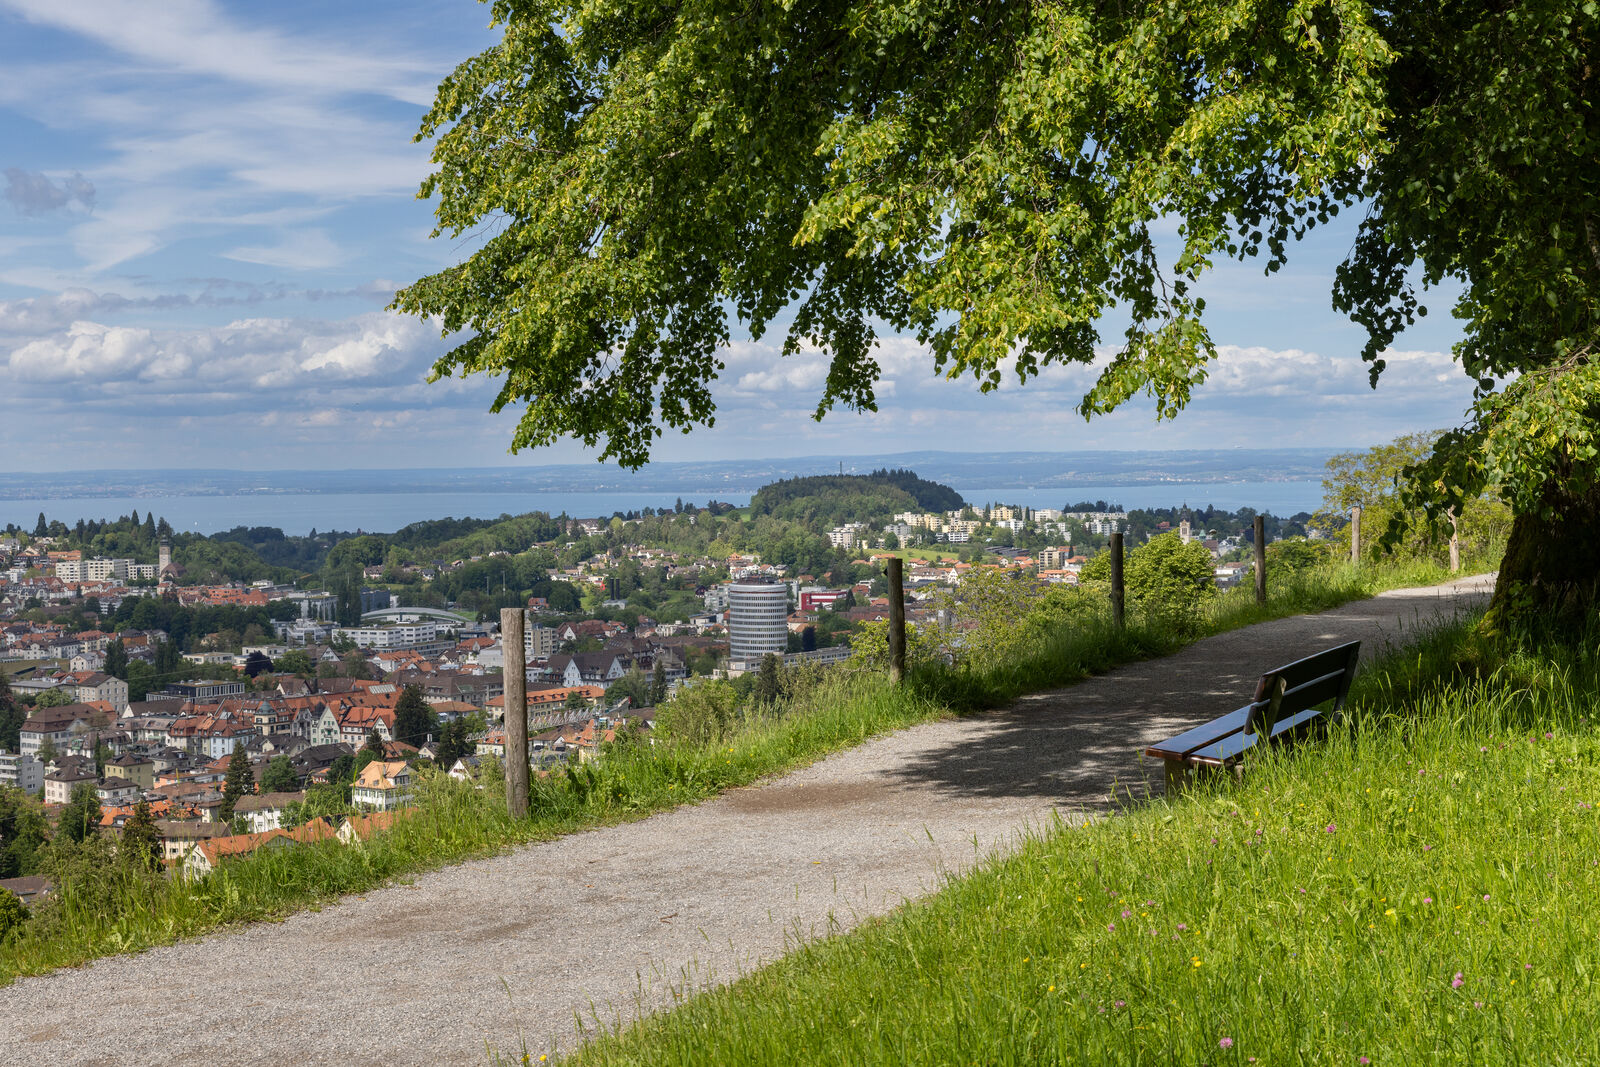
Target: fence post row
[(1261, 560), (1117, 617), (515, 674), (897, 620)]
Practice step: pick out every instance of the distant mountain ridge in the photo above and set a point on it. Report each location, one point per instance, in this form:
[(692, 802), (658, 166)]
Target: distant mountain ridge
[(990, 470)]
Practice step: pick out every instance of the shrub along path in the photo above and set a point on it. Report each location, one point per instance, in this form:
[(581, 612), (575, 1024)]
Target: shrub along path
[(530, 945)]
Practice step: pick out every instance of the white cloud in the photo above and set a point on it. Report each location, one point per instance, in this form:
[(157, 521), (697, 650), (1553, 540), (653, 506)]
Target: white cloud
[(197, 37), (305, 250)]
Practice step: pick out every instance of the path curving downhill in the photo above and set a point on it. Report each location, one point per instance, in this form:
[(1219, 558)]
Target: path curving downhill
[(611, 921)]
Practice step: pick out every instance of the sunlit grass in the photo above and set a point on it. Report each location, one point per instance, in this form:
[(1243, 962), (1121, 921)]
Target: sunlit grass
[(456, 822), (1418, 889)]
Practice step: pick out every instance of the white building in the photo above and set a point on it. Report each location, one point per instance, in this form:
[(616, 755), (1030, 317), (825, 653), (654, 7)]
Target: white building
[(758, 620), (21, 772), (382, 785), (396, 635)]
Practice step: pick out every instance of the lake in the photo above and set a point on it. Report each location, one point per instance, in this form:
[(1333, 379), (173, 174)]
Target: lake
[(387, 511)]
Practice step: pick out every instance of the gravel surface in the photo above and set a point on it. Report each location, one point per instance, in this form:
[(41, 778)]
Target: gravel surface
[(540, 944)]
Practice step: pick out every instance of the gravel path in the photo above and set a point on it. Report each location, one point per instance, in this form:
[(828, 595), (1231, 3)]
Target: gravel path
[(602, 924)]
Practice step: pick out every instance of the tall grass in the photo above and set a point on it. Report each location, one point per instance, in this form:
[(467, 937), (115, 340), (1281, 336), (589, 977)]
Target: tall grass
[(1418, 889), (454, 822)]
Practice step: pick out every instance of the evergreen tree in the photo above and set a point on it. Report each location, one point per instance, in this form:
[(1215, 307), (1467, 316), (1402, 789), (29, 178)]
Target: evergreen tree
[(769, 680), (12, 716), (81, 817), (42, 529), (239, 782), (658, 680), (141, 841), (279, 777), (453, 744), (413, 719), (117, 660)]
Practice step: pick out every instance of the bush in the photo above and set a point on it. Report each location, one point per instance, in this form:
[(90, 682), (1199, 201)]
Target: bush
[(12, 915), (699, 715)]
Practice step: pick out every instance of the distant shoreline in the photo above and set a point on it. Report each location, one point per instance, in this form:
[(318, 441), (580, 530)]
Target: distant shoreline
[(375, 510)]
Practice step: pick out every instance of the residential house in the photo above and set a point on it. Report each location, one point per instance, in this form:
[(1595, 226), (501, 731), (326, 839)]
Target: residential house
[(116, 792), (382, 785), (265, 811), (58, 786), (55, 725)]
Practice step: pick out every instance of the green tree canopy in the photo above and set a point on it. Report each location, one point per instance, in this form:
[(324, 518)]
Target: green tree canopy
[(988, 178), (414, 720), (80, 818), (141, 841), (239, 781), (279, 776)]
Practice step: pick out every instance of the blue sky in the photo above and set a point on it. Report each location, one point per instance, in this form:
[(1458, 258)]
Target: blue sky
[(205, 207)]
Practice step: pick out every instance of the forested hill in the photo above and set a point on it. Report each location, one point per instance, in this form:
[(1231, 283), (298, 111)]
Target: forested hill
[(836, 498)]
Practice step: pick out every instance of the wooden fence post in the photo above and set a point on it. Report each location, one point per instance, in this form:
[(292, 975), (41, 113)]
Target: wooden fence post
[(1355, 535), (1455, 541), (1261, 560), (515, 674), (1117, 617), (897, 621)]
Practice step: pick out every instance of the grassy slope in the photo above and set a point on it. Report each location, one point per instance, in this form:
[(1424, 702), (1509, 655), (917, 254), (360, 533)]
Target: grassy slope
[(1419, 889), (458, 824)]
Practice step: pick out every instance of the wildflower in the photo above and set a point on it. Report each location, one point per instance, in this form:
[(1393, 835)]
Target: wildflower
[(1362, 1059), (1527, 966), (1226, 1042), (1389, 912), (1120, 1003), (1052, 989), (1111, 926), (1126, 914), (1486, 898), (1457, 982), (1477, 1003), (1427, 900), (1195, 960), (1427, 848), (1183, 926)]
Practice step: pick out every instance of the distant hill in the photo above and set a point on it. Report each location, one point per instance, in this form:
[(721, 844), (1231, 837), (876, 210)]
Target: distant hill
[(828, 499)]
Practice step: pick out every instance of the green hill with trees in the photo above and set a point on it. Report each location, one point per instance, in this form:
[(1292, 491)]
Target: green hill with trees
[(830, 499)]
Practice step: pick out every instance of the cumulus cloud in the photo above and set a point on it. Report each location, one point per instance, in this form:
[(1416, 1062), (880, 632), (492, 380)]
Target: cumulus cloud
[(372, 361), (33, 192)]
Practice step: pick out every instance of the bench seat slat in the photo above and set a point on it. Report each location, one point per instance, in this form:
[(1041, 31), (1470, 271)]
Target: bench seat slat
[(1201, 736), (1231, 748)]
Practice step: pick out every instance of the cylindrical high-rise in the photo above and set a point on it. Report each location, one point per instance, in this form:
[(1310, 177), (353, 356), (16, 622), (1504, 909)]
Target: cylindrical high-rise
[(758, 620)]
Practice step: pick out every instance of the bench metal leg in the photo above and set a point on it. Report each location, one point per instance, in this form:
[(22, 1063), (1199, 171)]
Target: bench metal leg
[(1177, 776)]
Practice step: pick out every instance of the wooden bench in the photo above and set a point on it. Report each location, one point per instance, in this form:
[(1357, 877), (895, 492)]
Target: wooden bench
[(1283, 710)]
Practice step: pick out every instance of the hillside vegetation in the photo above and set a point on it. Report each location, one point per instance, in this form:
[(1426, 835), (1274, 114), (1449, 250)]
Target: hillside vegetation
[(1415, 890), (830, 499)]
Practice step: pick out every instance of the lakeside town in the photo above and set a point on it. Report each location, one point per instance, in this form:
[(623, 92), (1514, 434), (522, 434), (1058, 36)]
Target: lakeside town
[(309, 710)]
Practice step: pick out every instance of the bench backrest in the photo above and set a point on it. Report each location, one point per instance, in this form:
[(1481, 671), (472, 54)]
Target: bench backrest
[(1303, 684)]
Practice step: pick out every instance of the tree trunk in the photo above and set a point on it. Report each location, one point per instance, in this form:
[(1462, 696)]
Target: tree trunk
[(1551, 570)]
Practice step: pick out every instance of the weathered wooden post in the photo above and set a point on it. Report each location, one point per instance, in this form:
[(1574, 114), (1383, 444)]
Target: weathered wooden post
[(897, 621), (1117, 616), (1355, 535), (1455, 541), (515, 673), (1261, 560)]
